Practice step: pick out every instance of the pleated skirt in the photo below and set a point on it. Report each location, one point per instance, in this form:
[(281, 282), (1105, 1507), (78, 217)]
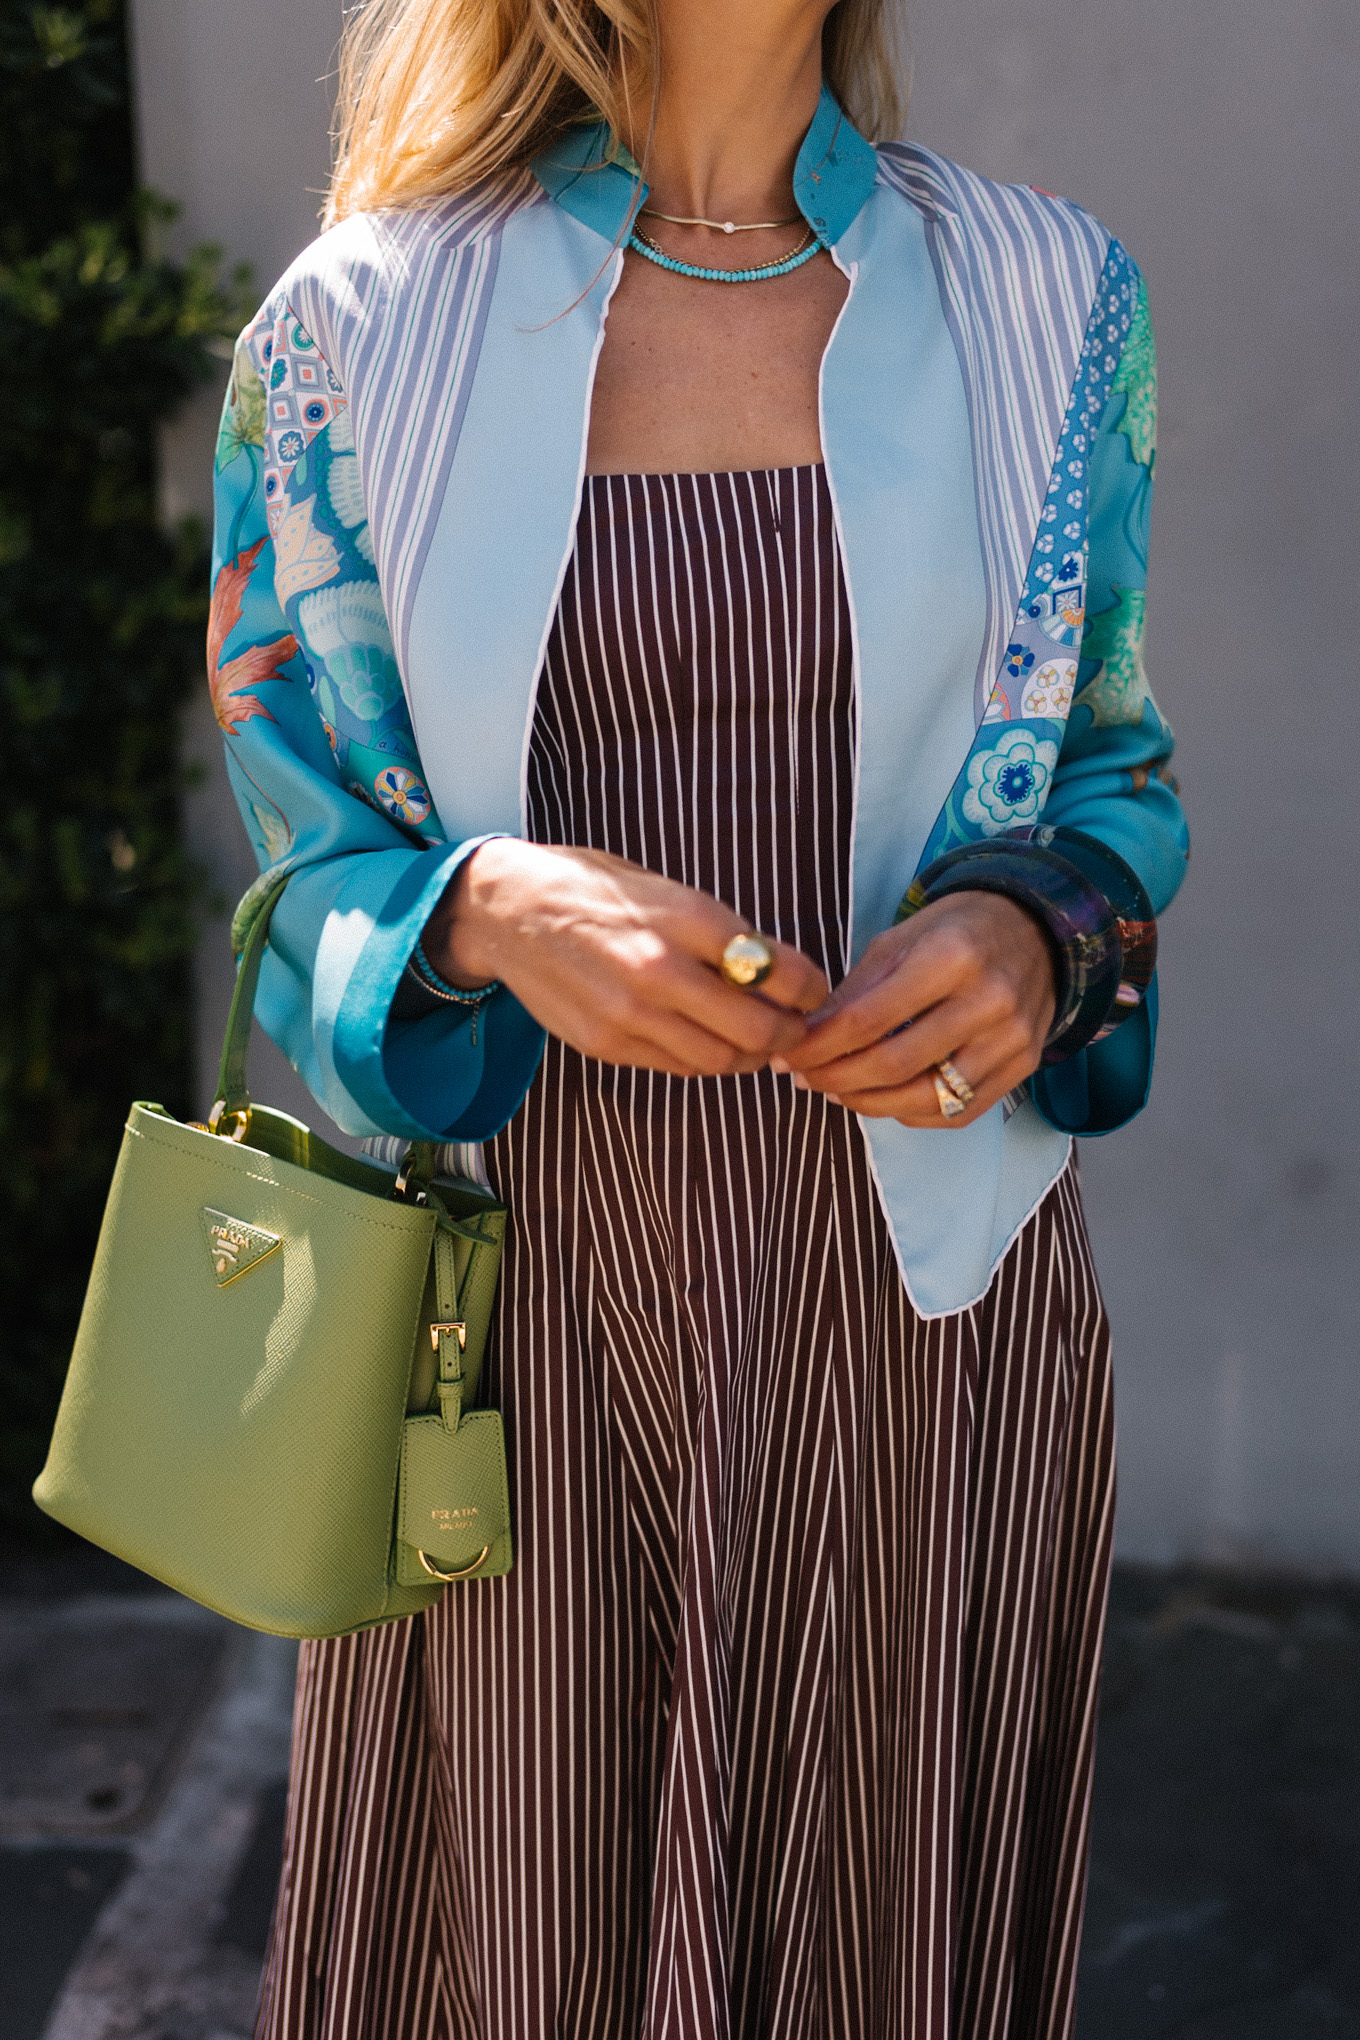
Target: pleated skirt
[(782, 1727)]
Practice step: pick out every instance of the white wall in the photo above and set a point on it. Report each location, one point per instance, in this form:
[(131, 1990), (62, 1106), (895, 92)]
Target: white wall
[(1219, 138)]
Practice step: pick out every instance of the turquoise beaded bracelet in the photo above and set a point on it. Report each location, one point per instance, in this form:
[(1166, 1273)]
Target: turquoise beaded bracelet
[(425, 975)]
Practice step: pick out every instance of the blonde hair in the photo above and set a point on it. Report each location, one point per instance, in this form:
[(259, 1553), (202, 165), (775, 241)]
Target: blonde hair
[(436, 95)]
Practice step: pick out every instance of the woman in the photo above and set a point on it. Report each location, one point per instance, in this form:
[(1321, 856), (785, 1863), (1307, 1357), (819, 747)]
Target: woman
[(653, 515)]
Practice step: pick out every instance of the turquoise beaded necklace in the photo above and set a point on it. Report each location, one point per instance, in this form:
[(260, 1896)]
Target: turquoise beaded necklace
[(643, 244)]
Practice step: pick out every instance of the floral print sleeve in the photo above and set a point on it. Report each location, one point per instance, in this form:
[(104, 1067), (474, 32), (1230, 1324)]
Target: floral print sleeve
[(1113, 776), (1070, 733), (322, 758), (287, 418)]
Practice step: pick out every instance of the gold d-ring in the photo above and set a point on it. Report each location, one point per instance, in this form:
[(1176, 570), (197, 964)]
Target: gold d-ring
[(467, 1571), (230, 1125), (747, 961)]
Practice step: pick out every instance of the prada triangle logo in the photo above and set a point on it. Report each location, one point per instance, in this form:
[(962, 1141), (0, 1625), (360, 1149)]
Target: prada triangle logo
[(235, 1247)]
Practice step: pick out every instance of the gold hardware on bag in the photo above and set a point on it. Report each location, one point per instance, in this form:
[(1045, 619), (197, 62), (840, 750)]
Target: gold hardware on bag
[(454, 1325), (403, 1183), (235, 1245), (465, 1573), (218, 1117)]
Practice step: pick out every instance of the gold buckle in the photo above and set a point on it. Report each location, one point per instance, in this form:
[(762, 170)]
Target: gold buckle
[(454, 1325), (219, 1115), (466, 1571)]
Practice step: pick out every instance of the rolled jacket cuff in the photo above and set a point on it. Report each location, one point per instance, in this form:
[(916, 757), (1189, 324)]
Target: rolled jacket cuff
[(436, 1077)]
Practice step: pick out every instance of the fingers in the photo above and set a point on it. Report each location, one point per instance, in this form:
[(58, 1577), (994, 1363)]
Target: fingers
[(662, 982), (658, 1016), (896, 981), (698, 1056), (625, 964), (763, 1020), (795, 982), (985, 1013), (970, 945), (969, 973), (748, 1019), (686, 1048), (986, 1066)]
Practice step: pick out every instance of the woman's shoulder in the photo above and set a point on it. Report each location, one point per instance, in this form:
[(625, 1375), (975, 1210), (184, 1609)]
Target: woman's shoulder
[(990, 215), (374, 265)]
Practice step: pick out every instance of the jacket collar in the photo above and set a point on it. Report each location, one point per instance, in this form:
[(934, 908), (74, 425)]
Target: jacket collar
[(594, 178)]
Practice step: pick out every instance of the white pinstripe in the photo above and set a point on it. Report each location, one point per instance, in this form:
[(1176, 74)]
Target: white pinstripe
[(1018, 272)]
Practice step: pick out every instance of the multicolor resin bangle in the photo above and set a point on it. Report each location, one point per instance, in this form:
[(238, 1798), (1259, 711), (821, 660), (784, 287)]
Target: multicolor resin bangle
[(1125, 891), (1093, 908)]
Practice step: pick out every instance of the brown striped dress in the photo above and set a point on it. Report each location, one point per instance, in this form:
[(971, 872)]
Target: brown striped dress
[(782, 1726)]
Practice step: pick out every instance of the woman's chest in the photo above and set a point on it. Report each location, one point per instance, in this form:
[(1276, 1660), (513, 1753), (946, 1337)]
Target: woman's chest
[(698, 378), (696, 710)]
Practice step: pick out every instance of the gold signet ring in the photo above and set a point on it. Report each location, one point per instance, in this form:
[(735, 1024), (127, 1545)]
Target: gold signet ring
[(956, 1080), (747, 961), (950, 1106)]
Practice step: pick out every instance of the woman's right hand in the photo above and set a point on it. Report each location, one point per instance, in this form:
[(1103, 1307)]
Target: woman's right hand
[(619, 962)]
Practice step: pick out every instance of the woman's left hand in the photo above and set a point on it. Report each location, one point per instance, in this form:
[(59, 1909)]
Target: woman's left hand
[(969, 978)]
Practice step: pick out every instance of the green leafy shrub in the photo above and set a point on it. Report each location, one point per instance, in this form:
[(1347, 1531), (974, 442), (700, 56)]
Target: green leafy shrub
[(101, 633)]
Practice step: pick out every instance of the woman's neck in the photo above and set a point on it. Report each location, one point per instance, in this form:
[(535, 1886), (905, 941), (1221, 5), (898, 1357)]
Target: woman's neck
[(739, 87)]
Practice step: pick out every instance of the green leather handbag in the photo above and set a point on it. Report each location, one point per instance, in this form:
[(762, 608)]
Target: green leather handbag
[(269, 1402)]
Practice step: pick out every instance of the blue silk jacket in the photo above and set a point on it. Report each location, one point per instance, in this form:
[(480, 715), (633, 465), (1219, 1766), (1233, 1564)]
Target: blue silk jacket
[(399, 473)]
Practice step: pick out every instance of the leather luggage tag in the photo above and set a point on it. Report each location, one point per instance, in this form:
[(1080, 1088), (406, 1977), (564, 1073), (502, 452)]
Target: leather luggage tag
[(454, 1502)]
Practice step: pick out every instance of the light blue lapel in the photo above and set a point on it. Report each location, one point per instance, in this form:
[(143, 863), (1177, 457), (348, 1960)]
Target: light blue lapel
[(897, 437), (898, 448), (504, 533)]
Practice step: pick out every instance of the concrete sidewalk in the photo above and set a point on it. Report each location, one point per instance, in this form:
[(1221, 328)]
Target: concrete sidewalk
[(143, 1746), (1224, 1900), (143, 1751)]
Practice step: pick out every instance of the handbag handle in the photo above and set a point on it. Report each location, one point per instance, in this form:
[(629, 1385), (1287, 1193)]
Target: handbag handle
[(230, 1115), (233, 1097)]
